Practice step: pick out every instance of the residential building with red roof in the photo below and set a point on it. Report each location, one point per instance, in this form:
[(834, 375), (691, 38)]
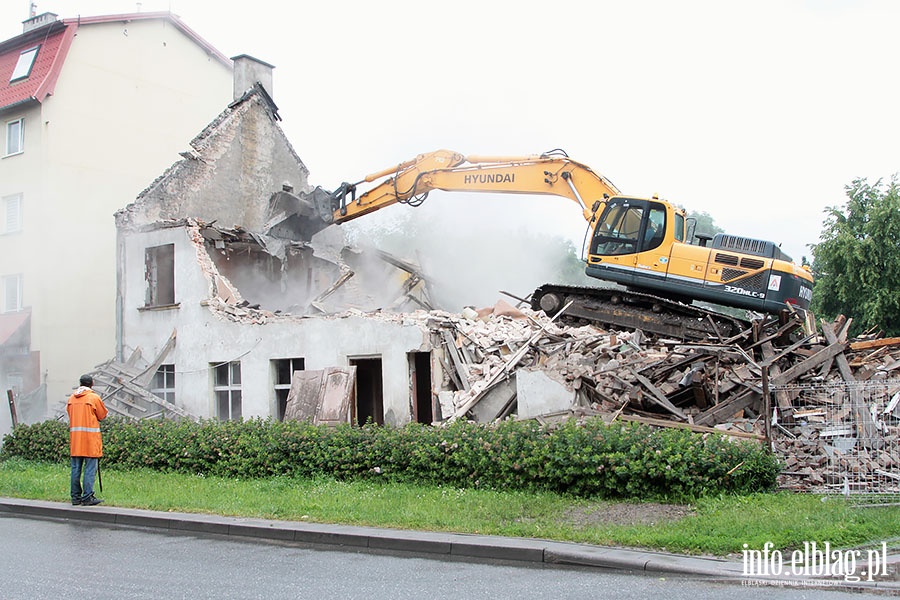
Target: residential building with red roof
[(92, 109)]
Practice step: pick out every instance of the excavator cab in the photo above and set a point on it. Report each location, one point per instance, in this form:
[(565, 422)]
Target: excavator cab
[(632, 225)]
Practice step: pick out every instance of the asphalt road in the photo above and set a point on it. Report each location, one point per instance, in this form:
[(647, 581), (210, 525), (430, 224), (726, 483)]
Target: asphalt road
[(74, 559)]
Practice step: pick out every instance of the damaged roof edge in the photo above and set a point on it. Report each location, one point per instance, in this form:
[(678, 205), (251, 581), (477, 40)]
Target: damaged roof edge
[(197, 143)]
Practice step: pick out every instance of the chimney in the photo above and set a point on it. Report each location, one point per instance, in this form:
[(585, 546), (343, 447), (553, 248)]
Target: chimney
[(249, 70), (38, 21)]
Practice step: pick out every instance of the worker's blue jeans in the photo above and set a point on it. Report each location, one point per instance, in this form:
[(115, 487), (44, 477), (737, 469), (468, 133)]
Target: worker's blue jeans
[(89, 466)]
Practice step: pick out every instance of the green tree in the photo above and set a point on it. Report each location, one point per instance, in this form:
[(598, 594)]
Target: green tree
[(705, 223), (857, 262)]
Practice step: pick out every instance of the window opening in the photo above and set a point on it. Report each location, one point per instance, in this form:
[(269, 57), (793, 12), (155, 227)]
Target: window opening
[(679, 228), (15, 382), (227, 388), (655, 228), (160, 275), (618, 230), (15, 136), (12, 293), (163, 385), (24, 64), (284, 374), (12, 212)]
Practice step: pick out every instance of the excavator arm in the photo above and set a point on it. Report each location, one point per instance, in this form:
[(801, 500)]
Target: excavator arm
[(553, 173)]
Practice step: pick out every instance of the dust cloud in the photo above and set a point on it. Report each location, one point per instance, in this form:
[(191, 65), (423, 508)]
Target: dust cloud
[(468, 250), (472, 248)]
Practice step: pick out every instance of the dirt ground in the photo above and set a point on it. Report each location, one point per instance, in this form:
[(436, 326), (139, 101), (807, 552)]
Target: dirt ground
[(627, 513)]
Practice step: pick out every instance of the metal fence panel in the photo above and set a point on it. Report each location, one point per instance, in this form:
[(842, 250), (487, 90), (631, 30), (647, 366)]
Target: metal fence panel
[(842, 438)]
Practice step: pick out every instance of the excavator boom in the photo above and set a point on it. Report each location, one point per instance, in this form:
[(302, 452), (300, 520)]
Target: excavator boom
[(409, 182)]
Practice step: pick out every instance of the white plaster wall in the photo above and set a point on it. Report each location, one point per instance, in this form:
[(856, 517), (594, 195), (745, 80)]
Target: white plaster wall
[(204, 338)]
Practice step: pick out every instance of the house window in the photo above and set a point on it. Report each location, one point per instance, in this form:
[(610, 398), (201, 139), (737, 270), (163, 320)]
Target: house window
[(12, 213), (227, 387), (24, 64), (160, 275), (163, 385), (284, 373), (15, 136), (12, 293)]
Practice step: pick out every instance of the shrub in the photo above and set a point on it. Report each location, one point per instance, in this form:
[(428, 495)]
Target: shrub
[(584, 458), (47, 441)]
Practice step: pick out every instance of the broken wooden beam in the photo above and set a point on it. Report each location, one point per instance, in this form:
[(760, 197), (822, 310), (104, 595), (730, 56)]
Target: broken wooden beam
[(658, 397), (694, 428), (879, 343), (832, 338), (812, 362), (727, 409)]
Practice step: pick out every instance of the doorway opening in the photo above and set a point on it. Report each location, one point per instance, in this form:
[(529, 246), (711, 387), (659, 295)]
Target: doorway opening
[(420, 387), (369, 390)]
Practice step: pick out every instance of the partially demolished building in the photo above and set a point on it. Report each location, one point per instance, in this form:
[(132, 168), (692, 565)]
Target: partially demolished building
[(212, 256)]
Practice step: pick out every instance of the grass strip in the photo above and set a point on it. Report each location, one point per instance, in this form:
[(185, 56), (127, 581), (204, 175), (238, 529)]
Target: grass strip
[(716, 525)]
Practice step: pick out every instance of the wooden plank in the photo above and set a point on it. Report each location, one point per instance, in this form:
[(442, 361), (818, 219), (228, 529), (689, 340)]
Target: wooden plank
[(792, 324), (12, 407), (725, 410), (865, 345), (694, 428), (843, 366), (657, 396), (317, 301), (776, 357), (144, 378), (660, 369), (840, 326), (783, 400), (866, 430), (457, 360), (812, 362)]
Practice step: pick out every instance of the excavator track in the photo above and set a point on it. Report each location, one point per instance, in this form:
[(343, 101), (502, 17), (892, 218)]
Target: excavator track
[(617, 308)]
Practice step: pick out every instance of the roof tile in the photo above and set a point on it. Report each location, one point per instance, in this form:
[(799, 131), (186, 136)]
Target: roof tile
[(43, 73)]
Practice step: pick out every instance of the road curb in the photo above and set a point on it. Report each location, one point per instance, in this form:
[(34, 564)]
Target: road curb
[(420, 543)]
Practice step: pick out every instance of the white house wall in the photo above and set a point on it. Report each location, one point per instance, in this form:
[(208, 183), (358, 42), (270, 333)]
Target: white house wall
[(206, 337)]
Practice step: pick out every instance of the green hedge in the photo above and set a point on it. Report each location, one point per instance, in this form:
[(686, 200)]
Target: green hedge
[(590, 458)]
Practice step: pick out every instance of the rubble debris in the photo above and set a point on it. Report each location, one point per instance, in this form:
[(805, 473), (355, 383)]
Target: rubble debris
[(301, 278), (124, 388), (714, 386)]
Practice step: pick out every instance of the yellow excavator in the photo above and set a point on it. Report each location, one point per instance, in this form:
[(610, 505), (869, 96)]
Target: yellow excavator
[(639, 243)]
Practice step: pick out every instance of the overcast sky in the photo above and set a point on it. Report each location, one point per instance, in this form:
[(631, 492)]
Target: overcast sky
[(758, 113)]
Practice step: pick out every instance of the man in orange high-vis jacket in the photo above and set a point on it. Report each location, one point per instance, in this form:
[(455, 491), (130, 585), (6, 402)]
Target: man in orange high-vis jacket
[(86, 410)]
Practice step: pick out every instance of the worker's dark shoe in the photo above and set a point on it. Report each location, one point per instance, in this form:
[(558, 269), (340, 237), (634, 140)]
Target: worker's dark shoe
[(91, 501), (76, 501)]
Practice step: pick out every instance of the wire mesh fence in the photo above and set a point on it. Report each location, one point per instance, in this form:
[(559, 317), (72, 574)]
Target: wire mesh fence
[(841, 438)]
